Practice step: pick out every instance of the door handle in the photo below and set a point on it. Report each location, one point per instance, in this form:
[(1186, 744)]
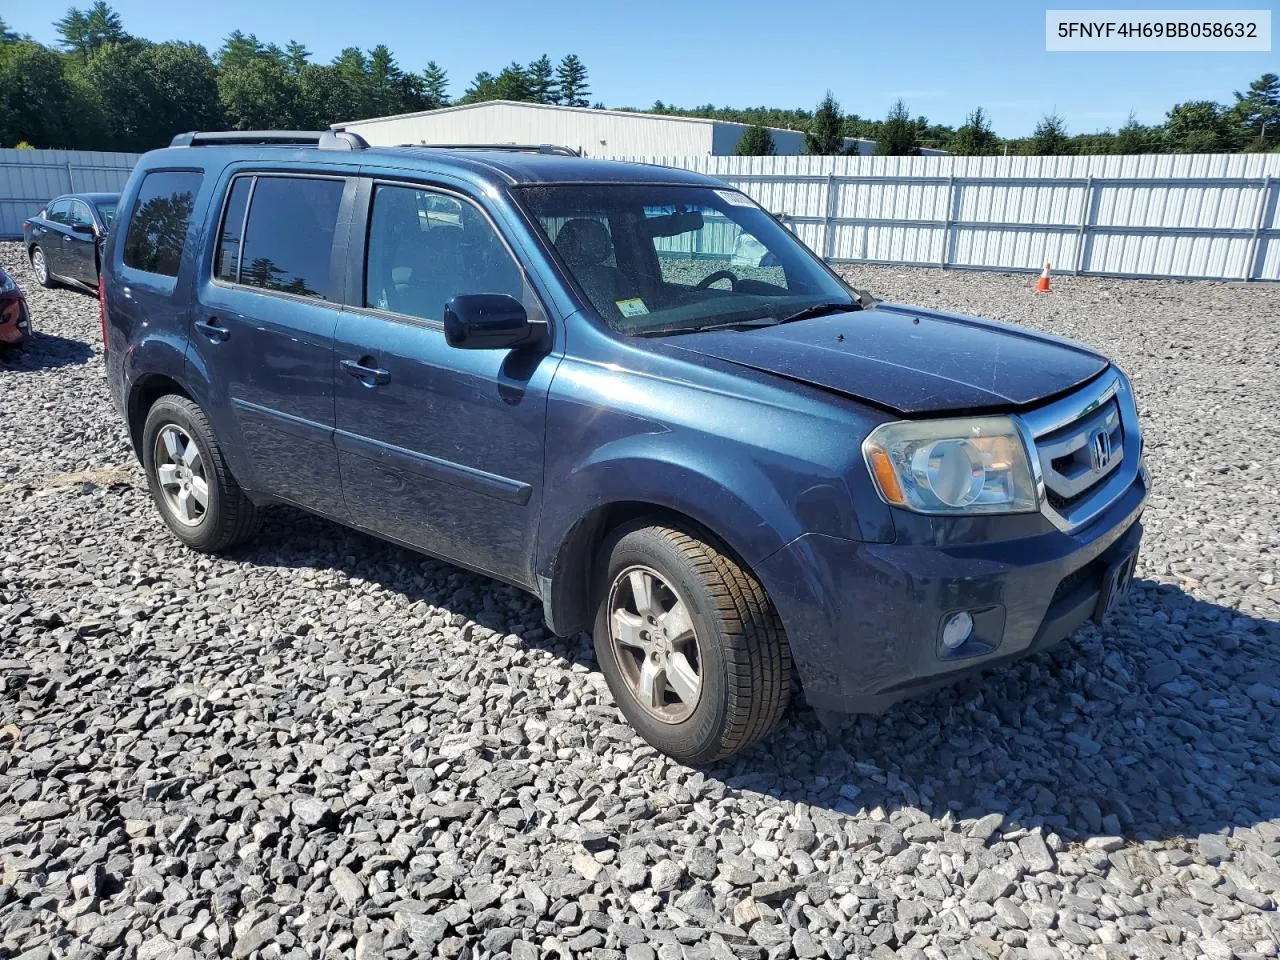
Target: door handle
[(211, 330), (367, 374)]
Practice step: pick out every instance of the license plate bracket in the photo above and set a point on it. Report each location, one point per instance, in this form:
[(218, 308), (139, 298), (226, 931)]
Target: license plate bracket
[(1116, 581)]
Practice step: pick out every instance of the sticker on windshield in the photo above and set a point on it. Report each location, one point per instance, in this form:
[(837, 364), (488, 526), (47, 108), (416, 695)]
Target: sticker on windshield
[(632, 308), (735, 198)]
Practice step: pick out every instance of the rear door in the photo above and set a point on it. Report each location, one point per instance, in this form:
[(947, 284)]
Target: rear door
[(441, 448), (263, 328)]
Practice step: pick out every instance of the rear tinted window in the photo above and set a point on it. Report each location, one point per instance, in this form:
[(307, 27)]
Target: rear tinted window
[(288, 242), (161, 216)]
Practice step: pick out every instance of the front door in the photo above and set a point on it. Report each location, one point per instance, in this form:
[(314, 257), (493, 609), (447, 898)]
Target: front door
[(52, 243), (263, 331), (440, 447), (79, 245)]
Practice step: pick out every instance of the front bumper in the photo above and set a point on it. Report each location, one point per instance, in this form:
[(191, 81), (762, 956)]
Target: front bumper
[(15, 321), (864, 620)]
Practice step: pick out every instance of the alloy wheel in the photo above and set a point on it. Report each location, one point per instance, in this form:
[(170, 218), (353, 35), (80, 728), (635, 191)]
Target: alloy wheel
[(655, 644), (40, 266), (181, 474)]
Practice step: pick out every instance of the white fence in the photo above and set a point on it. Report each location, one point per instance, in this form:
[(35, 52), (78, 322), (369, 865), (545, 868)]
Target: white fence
[(1183, 216), (29, 178), (1179, 216)]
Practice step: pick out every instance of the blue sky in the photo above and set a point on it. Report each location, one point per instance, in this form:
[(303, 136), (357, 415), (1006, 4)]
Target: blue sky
[(943, 58)]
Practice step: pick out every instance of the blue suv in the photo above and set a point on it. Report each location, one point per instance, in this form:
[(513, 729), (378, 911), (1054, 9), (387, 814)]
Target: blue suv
[(630, 391)]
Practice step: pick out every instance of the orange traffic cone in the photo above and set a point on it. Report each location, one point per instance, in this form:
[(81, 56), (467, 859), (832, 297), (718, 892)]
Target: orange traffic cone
[(1042, 285)]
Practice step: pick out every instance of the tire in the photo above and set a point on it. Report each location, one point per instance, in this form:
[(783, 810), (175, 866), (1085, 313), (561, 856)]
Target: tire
[(41, 267), (738, 651), (227, 516)]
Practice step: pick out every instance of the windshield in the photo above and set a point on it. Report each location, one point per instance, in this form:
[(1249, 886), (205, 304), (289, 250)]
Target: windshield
[(654, 258), (107, 211)]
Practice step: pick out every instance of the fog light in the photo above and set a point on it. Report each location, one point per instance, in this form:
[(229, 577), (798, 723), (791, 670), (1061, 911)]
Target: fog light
[(957, 629)]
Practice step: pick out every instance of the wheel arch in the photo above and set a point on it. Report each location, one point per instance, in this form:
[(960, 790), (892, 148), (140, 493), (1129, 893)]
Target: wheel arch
[(567, 589), (143, 394)]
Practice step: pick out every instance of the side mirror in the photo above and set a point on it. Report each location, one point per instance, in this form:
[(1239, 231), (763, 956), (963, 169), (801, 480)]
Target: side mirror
[(85, 228), (489, 321)]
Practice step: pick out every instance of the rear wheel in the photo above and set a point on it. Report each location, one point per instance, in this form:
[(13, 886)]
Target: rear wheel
[(689, 643), (41, 266), (189, 480)]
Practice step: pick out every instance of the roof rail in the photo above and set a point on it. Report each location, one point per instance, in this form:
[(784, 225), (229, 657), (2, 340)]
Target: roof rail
[(323, 139), (509, 147)]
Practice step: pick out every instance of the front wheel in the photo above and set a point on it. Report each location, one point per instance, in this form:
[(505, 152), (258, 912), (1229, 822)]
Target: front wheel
[(189, 480), (41, 267), (689, 643)]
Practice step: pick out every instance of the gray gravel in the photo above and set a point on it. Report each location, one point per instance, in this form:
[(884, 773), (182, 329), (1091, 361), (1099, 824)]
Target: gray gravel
[(327, 746)]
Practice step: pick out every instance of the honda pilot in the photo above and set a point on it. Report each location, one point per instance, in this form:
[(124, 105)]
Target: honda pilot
[(630, 391)]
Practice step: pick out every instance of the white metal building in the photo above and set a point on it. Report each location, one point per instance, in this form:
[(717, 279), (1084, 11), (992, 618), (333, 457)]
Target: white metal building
[(596, 133)]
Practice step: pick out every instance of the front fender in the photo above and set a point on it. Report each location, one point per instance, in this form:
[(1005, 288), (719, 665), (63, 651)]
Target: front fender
[(749, 515)]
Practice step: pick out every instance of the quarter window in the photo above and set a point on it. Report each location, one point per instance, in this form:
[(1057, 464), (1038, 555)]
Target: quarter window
[(161, 217), (228, 265), (288, 237), (425, 248)]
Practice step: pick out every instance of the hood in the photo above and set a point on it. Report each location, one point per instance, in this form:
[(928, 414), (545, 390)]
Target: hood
[(909, 360)]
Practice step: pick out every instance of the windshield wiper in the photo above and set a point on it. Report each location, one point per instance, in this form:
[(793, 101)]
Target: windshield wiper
[(821, 309), (724, 325)]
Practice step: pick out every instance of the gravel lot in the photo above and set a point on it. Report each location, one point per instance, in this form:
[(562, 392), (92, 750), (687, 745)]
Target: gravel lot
[(327, 746)]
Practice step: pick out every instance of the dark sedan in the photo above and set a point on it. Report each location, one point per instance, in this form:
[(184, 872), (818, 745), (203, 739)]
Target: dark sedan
[(65, 238)]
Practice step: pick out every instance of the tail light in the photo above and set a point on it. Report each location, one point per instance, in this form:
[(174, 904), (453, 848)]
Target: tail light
[(102, 310)]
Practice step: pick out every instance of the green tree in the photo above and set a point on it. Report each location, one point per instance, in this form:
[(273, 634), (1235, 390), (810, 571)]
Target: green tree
[(1135, 137), (1258, 110), (1049, 138), (897, 135), (37, 103), (323, 97), (542, 81), (259, 95), (7, 35), (756, 141), (975, 138), (386, 83), (83, 31), (352, 67), (297, 56), (824, 136), (1199, 126), (483, 87), (435, 86), (512, 84), (571, 80), (238, 49)]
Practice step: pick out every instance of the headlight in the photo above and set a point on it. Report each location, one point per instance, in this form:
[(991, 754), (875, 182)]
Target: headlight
[(6, 283), (964, 466)]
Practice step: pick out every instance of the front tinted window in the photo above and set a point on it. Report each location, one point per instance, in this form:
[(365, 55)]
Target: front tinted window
[(80, 213), (158, 225), (288, 242), (425, 248), (106, 212), (655, 257)]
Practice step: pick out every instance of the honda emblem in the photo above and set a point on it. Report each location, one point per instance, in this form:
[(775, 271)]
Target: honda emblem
[(1100, 450)]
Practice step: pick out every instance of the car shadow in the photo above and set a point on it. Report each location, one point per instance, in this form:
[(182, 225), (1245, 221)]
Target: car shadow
[(44, 351), (1160, 724)]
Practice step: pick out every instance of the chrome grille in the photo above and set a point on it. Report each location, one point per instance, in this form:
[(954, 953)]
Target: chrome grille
[(1072, 460), (1085, 449)]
